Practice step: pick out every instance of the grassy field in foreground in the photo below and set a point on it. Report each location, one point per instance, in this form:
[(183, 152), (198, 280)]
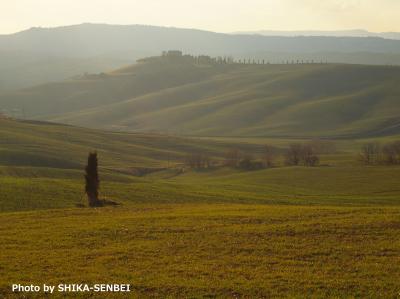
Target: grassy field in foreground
[(208, 251), (327, 231)]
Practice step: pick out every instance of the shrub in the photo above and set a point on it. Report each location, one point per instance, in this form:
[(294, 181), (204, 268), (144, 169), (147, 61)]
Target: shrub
[(248, 163)]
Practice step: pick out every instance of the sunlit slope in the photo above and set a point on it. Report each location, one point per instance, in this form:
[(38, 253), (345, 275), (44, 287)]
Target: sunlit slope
[(225, 100)]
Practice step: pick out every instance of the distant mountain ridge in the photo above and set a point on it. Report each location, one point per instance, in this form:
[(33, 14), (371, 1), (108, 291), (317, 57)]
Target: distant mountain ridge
[(334, 33), (39, 55), (97, 39)]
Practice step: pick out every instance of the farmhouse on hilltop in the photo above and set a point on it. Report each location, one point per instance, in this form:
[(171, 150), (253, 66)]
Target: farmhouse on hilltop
[(172, 53)]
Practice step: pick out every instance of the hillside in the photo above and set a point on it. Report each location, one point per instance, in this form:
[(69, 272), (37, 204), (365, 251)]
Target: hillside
[(39, 55), (46, 161), (182, 96), (46, 145)]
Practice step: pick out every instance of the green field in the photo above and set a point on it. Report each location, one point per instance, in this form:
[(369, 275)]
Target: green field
[(209, 251), (330, 231)]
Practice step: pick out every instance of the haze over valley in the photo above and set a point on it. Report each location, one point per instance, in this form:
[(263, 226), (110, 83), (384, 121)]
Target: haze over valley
[(39, 55)]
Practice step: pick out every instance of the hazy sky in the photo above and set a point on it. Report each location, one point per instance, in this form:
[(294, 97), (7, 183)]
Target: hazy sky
[(215, 15)]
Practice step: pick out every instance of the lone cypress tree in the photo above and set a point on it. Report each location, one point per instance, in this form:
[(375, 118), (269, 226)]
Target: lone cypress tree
[(92, 180)]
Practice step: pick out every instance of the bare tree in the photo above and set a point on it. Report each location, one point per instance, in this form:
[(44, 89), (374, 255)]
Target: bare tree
[(370, 153), (301, 154), (198, 161), (391, 153), (309, 156), (269, 156), (293, 154)]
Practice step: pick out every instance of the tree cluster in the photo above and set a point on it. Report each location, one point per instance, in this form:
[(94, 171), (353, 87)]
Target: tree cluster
[(301, 154), (304, 154), (198, 161), (391, 153), (373, 153), (237, 159), (249, 163)]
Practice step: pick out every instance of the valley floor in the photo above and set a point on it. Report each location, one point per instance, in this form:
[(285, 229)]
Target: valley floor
[(208, 250)]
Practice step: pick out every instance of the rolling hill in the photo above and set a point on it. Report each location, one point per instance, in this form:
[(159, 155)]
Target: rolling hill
[(184, 97), (41, 167), (57, 146)]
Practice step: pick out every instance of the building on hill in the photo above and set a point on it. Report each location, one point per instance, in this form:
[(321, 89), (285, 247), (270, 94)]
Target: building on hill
[(172, 53)]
